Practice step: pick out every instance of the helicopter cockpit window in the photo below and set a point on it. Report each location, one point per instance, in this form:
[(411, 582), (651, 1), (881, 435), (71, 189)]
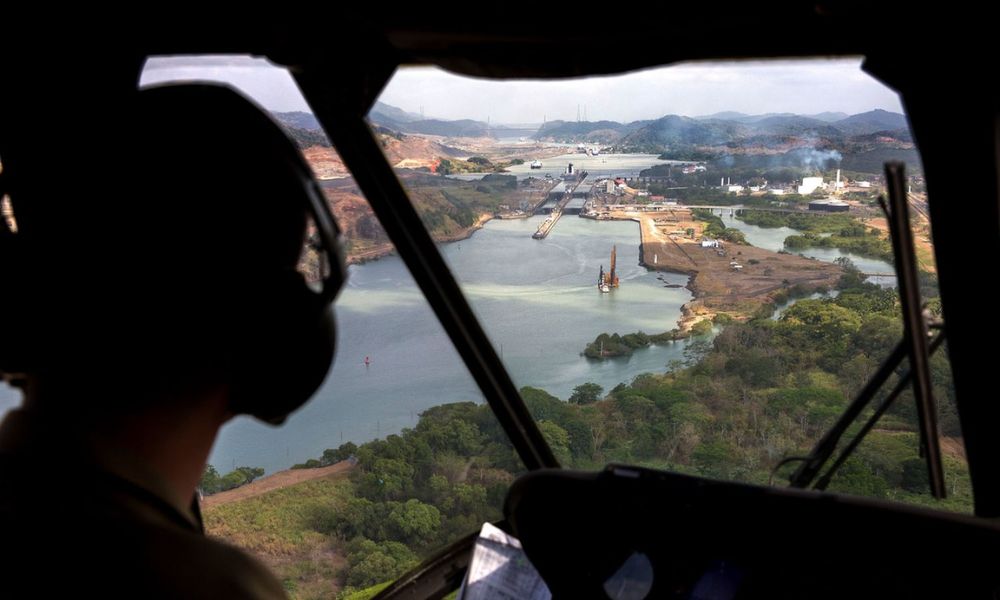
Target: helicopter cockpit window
[(396, 455), (685, 267)]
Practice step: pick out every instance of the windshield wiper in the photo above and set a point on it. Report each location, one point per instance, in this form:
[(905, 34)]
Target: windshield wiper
[(914, 345), (914, 328), (904, 381)]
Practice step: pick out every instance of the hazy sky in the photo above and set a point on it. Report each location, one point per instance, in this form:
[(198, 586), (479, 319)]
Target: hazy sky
[(692, 89)]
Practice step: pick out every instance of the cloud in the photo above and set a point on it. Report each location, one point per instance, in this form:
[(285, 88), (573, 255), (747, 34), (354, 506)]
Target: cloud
[(799, 86), (700, 88)]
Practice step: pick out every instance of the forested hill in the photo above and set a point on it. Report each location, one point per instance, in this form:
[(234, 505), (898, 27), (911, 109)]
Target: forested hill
[(863, 141), (760, 391), (722, 128)]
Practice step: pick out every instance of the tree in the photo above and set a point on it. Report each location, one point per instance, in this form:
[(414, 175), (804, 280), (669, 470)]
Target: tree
[(356, 517), (370, 563), (413, 521), (854, 477), (557, 439), (210, 481), (586, 393), (469, 498), (712, 457), (345, 451), (250, 473), (915, 477), (386, 478), (368, 227)]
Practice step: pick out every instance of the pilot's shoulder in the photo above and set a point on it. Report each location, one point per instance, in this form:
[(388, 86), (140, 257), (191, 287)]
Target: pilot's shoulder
[(193, 566)]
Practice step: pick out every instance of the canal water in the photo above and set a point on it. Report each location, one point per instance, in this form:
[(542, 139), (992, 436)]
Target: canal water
[(773, 239), (538, 301)]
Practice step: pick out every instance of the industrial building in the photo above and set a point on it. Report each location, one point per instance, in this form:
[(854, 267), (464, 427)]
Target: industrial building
[(829, 206), (810, 185)]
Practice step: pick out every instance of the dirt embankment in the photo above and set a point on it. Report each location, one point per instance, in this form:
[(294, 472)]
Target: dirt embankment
[(325, 163), (367, 240), (275, 481), (922, 242), (414, 152), (426, 151), (732, 279), (411, 152)]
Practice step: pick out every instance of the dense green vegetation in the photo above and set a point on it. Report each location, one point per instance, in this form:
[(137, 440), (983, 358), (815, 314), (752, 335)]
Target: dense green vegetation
[(805, 222), (759, 391), (857, 240), (700, 195), (416, 491), (873, 160), (715, 228), (613, 345), (475, 164), (745, 168), (365, 594), (586, 393), (762, 390), (448, 206), (844, 232), (330, 456), (213, 483), (290, 529), (307, 138), (688, 153)]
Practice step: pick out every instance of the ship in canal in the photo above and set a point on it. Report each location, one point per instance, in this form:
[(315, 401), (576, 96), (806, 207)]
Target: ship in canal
[(606, 281)]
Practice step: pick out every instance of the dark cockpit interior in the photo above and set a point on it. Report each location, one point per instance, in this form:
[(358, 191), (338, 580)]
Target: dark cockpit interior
[(682, 535)]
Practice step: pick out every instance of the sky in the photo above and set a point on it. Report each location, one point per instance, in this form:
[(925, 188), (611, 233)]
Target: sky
[(691, 89)]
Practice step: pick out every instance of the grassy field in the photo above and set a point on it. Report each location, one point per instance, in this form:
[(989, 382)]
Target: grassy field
[(290, 531), (367, 594)]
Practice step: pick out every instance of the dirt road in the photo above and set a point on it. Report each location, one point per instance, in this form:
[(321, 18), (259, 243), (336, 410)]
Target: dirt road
[(275, 481)]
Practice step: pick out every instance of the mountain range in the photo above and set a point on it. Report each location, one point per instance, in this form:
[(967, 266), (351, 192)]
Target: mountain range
[(864, 139), (728, 128), (669, 130)]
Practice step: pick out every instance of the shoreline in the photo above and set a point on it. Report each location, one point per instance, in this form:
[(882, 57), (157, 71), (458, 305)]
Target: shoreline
[(388, 248), (715, 285)]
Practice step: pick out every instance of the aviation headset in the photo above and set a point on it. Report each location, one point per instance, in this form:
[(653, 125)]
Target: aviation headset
[(277, 337)]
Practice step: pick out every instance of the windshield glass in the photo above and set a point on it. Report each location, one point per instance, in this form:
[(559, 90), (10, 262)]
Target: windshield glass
[(687, 264)]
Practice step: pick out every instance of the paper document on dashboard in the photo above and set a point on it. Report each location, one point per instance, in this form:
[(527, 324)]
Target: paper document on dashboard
[(500, 569)]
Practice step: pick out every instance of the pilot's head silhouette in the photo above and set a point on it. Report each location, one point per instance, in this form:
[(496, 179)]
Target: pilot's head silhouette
[(162, 297)]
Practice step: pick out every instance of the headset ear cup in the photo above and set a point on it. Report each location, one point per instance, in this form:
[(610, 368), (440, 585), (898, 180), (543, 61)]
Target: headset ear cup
[(286, 354)]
